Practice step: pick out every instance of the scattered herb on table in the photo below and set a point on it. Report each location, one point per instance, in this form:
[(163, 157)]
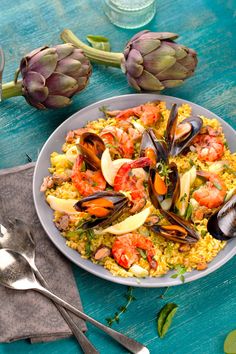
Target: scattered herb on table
[(165, 318), (230, 343), (116, 318), (180, 271), (28, 158), (164, 293), (99, 42)]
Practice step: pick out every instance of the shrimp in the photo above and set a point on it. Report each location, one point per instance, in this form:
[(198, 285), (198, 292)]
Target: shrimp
[(211, 194), (210, 147), (118, 141), (72, 135), (149, 113), (125, 253), (125, 181), (87, 182)]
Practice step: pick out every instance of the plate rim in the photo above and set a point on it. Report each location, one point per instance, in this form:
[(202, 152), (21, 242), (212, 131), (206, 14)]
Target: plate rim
[(130, 281)]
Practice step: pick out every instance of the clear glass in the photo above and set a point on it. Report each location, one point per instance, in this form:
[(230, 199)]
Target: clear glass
[(129, 13)]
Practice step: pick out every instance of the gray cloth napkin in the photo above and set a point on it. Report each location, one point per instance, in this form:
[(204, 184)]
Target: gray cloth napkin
[(28, 314)]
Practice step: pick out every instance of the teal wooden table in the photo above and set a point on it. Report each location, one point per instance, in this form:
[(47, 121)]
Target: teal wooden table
[(207, 307)]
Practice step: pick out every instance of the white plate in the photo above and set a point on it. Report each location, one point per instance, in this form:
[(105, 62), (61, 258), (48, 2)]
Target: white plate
[(45, 214)]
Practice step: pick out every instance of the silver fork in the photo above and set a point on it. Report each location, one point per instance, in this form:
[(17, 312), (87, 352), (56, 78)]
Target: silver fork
[(2, 63)]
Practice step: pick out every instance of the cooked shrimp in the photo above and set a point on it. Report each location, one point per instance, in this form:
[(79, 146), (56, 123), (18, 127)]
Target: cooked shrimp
[(118, 141), (209, 147), (72, 135), (211, 194), (125, 253), (87, 182), (125, 181), (149, 113)]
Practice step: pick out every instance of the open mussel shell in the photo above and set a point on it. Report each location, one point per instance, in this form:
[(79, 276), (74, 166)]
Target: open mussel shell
[(114, 205), (179, 144), (171, 126), (173, 188), (222, 224), (192, 236), (153, 148), (92, 147)]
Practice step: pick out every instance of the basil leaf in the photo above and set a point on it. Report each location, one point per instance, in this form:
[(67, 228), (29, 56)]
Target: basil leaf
[(99, 42), (165, 318), (230, 343)]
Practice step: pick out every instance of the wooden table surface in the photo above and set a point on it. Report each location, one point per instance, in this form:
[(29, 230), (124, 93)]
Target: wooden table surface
[(206, 307)]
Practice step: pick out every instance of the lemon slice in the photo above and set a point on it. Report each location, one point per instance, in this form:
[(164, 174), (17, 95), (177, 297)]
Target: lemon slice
[(130, 224), (62, 205), (138, 271), (186, 180), (72, 154)]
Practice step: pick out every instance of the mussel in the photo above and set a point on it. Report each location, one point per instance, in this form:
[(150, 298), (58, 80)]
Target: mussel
[(153, 147), (178, 137), (164, 186), (92, 147), (179, 230), (104, 208), (222, 224)]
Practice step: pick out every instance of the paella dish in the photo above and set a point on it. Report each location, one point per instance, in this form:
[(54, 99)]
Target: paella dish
[(145, 190)]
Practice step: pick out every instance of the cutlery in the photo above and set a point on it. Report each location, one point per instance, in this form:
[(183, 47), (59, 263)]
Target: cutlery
[(2, 63), (19, 238), (16, 273)]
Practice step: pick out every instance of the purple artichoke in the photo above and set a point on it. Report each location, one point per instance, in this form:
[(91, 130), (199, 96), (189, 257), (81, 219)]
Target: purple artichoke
[(152, 61), (51, 76)]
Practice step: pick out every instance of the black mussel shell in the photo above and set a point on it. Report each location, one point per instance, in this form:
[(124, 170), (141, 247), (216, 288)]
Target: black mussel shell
[(222, 224), (120, 204), (172, 233), (150, 140), (173, 189), (193, 236), (179, 146), (171, 126), (92, 147)]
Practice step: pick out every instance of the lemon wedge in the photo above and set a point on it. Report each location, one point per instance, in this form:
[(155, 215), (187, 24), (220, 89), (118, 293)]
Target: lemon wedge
[(138, 271), (130, 224), (62, 205), (186, 180)]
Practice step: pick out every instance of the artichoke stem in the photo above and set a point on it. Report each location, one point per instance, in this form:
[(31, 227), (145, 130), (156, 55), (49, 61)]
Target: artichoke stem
[(95, 55), (11, 89)]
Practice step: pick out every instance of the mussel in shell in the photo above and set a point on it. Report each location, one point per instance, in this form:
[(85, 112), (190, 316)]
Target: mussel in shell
[(179, 136), (222, 224), (164, 185), (153, 148), (179, 230), (92, 147), (104, 208)]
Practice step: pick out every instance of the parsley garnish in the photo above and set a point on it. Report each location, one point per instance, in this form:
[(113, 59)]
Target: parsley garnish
[(116, 318), (180, 271)]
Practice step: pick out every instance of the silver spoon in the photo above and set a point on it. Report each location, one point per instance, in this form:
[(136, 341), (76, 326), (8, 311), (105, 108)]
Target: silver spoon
[(19, 239), (16, 273)]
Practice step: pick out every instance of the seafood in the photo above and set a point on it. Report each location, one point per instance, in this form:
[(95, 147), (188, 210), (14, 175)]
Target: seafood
[(118, 141), (91, 147), (164, 185), (87, 182), (153, 148), (125, 250), (209, 147), (105, 206), (125, 181), (222, 224), (179, 137), (212, 193), (149, 113)]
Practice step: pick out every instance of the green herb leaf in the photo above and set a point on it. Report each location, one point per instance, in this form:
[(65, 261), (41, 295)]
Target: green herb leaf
[(182, 278), (217, 185), (230, 343), (189, 211), (165, 318), (99, 42), (183, 197), (142, 253), (174, 276)]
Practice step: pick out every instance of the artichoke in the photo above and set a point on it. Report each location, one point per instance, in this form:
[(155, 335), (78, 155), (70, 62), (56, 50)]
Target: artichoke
[(50, 76), (152, 61)]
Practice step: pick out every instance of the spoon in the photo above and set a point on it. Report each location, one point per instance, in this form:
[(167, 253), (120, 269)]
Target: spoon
[(16, 273), (19, 239)]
